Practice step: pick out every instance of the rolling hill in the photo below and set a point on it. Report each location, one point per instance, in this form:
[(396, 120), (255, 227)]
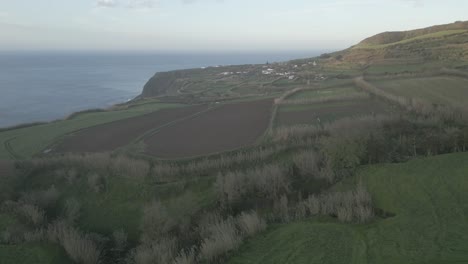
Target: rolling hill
[(437, 43)]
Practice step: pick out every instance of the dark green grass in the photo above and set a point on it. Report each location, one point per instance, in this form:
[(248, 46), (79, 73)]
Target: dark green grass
[(32, 253), (6, 221), (304, 242), (324, 93), (429, 198), (443, 90), (309, 114)]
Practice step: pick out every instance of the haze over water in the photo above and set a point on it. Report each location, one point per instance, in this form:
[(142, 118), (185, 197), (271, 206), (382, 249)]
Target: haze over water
[(44, 86)]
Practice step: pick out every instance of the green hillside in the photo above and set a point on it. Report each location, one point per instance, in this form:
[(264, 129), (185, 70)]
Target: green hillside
[(429, 198), (438, 45)]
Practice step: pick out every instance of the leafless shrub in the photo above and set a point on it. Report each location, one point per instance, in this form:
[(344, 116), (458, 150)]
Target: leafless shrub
[(120, 239), (349, 206), (132, 168), (101, 163), (33, 213), (326, 171), (72, 210), (167, 171), (96, 182), (155, 252), (312, 205), (281, 209), (13, 234), (307, 162), (71, 175), (186, 257), (294, 132), (223, 237), (41, 198), (250, 223), (35, 236), (78, 246), (156, 221), (269, 181)]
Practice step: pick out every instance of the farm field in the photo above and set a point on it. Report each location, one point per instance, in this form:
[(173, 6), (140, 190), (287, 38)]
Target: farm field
[(429, 198), (225, 128), (6, 167), (110, 136), (327, 112), (325, 93), (26, 142), (441, 90)]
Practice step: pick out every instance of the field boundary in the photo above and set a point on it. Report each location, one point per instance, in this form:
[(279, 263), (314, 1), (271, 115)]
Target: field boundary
[(10, 150), (154, 131), (58, 140)]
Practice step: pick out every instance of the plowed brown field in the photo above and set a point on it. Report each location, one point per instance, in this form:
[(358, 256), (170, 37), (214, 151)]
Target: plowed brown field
[(225, 128), (110, 136)]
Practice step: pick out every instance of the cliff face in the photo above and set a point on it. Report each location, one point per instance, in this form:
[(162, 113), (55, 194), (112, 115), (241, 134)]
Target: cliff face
[(163, 83)]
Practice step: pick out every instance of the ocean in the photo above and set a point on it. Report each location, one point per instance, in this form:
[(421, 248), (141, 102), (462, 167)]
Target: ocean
[(45, 86)]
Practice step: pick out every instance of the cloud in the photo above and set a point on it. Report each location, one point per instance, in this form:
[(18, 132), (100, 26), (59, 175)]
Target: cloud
[(141, 4), (107, 3), (415, 3), (134, 4)]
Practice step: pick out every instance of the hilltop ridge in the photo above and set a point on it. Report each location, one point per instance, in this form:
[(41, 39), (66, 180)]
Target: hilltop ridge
[(441, 46), (396, 36)]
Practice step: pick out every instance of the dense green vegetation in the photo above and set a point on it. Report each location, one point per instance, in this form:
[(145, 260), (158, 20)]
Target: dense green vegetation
[(428, 198)]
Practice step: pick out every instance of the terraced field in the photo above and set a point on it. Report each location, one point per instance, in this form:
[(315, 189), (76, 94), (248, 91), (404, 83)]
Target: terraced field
[(225, 128), (440, 90), (429, 198)]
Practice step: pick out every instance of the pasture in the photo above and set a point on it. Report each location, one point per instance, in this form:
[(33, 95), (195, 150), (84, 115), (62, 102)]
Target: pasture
[(324, 93), (440, 90), (289, 115), (429, 198)]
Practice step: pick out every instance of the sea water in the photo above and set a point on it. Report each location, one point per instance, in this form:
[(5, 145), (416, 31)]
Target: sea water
[(44, 86)]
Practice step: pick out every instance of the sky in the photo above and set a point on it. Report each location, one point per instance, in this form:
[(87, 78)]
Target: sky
[(212, 25)]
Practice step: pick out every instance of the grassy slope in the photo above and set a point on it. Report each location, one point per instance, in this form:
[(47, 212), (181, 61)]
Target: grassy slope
[(331, 92), (330, 111), (26, 142), (430, 199), (444, 90), (439, 34)]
